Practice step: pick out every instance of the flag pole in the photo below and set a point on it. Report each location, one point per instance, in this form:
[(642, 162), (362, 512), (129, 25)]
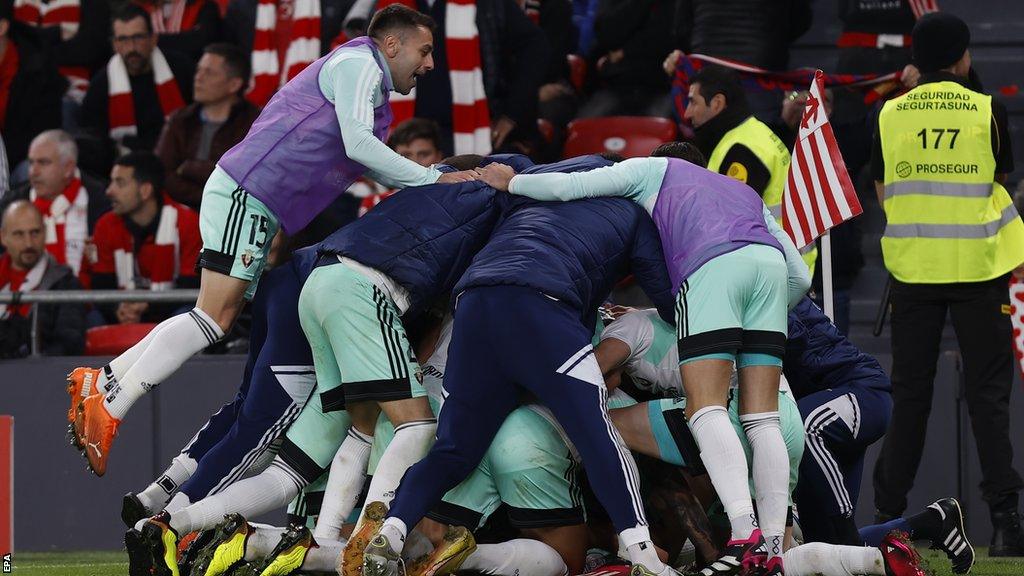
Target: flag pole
[(826, 274)]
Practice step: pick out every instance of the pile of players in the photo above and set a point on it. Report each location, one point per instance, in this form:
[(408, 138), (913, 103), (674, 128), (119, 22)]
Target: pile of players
[(448, 346)]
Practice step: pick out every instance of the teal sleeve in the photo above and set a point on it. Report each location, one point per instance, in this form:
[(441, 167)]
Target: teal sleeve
[(352, 80), (638, 179), (798, 277)]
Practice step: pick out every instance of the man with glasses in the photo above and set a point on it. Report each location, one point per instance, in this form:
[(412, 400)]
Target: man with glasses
[(129, 100)]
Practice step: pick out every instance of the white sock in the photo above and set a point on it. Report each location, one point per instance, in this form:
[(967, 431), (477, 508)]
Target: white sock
[(155, 496), (395, 530), (771, 476), (723, 456), (272, 489), (520, 557), (820, 559), (324, 558), (344, 483), (411, 443), (120, 365), (183, 337), (641, 550), (262, 541), (416, 545), (178, 502)]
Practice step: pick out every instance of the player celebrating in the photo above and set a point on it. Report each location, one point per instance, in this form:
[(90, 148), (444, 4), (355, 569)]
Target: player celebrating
[(315, 137), (549, 267), (729, 263)]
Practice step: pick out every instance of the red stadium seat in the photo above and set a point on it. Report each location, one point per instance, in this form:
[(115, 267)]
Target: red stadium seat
[(114, 339), (577, 72), (630, 136)]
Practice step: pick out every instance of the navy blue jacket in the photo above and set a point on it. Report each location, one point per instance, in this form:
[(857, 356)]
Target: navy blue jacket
[(819, 357), (423, 238), (574, 251)]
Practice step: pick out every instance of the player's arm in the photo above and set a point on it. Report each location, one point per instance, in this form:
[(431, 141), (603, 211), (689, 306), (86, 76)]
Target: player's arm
[(355, 79), (630, 179), (798, 277)]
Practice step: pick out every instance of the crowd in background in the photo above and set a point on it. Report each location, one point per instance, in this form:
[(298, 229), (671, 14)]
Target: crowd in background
[(113, 114)]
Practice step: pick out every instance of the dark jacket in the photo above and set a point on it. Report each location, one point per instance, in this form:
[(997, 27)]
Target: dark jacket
[(34, 104), (574, 251), (99, 204), (513, 53), (756, 32), (423, 238), (642, 29), (178, 148), (818, 357), (61, 326), (149, 116), (206, 30)]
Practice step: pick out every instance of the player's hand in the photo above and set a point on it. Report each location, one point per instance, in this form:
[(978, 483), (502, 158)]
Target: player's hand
[(670, 63), (496, 175), (455, 177)]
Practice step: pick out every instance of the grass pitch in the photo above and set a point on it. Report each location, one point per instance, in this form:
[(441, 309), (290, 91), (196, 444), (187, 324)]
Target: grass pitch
[(116, 564)]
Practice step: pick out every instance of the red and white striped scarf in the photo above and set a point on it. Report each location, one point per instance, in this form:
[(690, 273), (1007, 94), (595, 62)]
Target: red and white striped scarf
[(67, 15), (66, 220), (471, 119), (121, 107), (181, 15), (303, 47), (163, 257), (922, 7), (28, 284)]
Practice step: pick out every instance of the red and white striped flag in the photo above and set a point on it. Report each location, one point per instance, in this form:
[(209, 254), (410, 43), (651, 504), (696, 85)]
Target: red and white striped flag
[(818, 194)]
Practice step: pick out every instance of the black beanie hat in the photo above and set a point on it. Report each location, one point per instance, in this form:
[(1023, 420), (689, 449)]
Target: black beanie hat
[(940, 40)]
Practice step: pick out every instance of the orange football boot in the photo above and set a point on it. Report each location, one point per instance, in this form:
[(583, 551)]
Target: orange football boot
[(82, 383), (98, 430)]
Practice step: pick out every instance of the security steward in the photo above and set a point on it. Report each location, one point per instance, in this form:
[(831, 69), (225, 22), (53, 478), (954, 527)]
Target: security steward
[(735, 142), (952, 239)]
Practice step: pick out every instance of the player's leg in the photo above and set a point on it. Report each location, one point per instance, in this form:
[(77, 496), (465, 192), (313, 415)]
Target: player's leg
[(376, 364), (895, 556), (479, 397), (941, 523), (237, 230), (563, 374), (760, 367), (709, 308)]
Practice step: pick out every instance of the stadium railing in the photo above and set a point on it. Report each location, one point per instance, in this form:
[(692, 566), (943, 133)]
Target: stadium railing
[(88, 297)]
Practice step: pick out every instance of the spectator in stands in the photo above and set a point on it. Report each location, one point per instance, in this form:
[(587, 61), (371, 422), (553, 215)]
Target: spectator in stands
[(633, 37), (417, 139), (184, 26), (140, 87), (71, 202), (505, 101), (77, 33), (281, 51), (196, 136), (30, 86), (146, 242), (557, 99), (756, 32), (25, 267)]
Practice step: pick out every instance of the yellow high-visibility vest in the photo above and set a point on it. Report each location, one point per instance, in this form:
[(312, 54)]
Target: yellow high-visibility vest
[(947, 220), (774, 154)]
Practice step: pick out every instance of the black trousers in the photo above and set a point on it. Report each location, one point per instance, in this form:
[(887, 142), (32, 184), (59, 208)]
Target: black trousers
[(981, 319)]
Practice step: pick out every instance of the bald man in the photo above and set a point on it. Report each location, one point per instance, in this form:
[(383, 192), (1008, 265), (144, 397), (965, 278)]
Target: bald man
[(27, 266), (69, 201)]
